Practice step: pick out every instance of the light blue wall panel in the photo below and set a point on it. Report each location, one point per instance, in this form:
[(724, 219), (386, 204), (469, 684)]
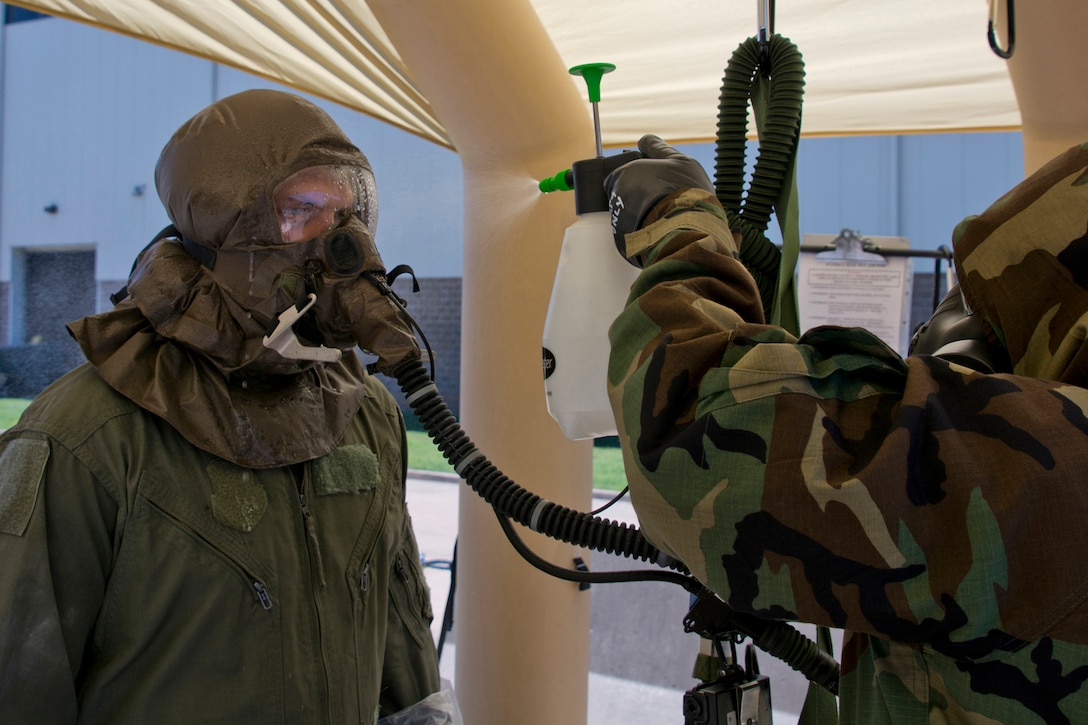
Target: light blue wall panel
[(85, 114), (848, 183), (946, 177), (917, 187)]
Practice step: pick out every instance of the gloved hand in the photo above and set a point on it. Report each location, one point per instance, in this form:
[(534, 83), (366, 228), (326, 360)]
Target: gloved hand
[(634, 188)]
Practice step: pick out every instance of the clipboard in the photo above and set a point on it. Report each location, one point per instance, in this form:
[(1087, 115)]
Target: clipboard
[(849, 280)]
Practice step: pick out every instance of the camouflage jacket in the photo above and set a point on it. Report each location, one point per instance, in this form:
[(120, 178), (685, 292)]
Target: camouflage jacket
[(933, 513)]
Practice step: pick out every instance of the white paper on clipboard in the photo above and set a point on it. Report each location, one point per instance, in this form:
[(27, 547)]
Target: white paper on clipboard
[(851, 286)]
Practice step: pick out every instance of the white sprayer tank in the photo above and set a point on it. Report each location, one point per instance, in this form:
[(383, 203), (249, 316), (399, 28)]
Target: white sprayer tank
[(591, 286)]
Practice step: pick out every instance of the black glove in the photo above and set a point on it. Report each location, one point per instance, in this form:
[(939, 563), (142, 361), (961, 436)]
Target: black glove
[(634, 188)]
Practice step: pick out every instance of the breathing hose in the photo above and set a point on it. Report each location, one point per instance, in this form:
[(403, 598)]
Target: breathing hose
[(509, 500), (771, 74)]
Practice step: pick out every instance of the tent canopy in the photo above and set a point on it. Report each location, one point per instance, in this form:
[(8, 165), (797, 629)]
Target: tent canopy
[(870, 67)]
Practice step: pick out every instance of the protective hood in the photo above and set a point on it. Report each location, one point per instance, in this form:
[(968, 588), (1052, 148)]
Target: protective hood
[(185, 344), (217, 174), (1023, 268)]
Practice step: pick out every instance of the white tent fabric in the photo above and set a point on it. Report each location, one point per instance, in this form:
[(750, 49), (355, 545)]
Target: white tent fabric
[(917, 66)]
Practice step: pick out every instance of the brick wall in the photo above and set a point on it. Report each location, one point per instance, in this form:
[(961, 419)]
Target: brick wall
[(436, 307)]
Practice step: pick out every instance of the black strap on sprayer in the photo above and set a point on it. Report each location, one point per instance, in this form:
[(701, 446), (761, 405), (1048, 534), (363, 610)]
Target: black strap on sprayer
[(769, 73), (511, 501)]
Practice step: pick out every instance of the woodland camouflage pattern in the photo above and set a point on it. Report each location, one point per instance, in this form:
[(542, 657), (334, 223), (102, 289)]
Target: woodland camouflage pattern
[(935, 514)]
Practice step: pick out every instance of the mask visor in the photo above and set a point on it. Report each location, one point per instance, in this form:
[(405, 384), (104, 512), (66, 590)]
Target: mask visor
[(314, 200)]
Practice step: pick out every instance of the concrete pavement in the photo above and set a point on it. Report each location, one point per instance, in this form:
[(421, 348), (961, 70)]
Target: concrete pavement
[(640, 658)]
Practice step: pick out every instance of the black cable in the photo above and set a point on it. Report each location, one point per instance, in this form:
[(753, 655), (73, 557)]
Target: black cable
[(588, 577), (447, 614), (508, 499), (615, 499)]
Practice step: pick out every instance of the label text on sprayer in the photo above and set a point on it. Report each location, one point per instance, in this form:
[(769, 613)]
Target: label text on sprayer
[(549, 363)]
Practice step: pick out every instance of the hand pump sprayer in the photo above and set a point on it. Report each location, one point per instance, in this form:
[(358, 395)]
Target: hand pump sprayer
[(591, 286), (592, 234)]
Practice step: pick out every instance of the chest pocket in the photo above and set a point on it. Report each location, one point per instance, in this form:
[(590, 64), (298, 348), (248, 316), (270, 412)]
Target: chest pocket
[(347, 469), (238, 499)]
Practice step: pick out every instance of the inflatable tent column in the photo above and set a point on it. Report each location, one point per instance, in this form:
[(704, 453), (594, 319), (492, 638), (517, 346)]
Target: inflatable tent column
[(514, 115), (1049, 72)]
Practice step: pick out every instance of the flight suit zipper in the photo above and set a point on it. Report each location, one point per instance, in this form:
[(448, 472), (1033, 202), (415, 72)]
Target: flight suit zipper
[(317, 564), (255, 582), (262, 594), (310, 528)]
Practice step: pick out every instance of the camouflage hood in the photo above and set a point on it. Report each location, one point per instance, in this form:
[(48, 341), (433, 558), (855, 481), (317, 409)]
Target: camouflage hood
[(1023, 268)]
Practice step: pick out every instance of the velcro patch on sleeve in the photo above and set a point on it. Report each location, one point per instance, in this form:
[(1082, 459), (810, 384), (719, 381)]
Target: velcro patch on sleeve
[(346, 469), (22, 463)]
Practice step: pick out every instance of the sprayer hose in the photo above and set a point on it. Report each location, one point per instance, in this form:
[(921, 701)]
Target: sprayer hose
[(779, 132), (578, 528), (507, 497)]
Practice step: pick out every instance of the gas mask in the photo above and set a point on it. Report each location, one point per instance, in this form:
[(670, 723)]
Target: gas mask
[(267, 274), (313, 293), (954, 334), (320, 289)]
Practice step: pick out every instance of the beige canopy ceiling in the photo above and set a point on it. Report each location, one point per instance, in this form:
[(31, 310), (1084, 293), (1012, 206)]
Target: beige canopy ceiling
[(871, 67)]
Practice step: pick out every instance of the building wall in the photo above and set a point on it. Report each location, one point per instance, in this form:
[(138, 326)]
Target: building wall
[(84, 114), (436, 307)]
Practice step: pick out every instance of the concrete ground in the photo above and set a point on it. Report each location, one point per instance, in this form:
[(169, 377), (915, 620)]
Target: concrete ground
[(638, 673)]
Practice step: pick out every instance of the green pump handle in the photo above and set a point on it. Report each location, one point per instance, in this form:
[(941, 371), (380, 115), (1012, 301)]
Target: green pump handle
[(586, 177), (592, 73)]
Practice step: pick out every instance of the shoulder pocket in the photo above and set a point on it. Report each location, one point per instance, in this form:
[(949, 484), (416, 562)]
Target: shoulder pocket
[(22, 463)]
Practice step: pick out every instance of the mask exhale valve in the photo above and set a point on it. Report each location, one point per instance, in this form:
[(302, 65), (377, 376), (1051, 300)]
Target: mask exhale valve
[(284, 341)]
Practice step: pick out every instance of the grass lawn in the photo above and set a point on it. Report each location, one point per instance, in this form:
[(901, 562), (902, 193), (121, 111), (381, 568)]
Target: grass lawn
[(10, 410), (607, 461), (422, 453)]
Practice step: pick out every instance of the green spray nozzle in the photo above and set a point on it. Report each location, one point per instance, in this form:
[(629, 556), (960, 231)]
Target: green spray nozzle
[(563, 181)]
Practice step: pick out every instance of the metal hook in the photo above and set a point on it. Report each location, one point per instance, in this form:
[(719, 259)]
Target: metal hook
[(764, 31), (1005, 53)]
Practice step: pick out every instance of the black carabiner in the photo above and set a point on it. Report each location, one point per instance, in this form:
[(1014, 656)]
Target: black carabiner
[(1006, 52), (764, 31)]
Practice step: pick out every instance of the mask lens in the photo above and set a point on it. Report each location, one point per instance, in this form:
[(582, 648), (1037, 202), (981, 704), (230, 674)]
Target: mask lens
[(313, 201)]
